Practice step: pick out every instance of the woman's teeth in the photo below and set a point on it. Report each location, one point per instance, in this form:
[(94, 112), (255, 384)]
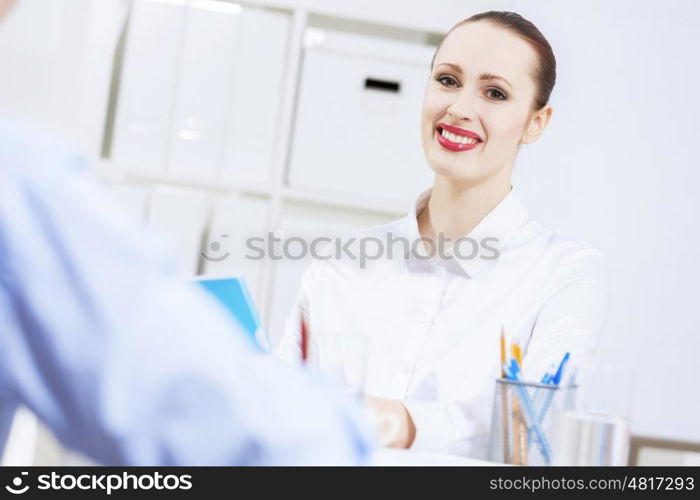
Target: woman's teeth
[(460, 139)]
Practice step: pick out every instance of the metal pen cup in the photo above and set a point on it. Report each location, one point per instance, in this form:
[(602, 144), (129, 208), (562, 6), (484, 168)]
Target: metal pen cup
[(523, 418)]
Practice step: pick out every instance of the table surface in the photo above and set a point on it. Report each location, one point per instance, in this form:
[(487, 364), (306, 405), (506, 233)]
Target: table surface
[(391, 457)]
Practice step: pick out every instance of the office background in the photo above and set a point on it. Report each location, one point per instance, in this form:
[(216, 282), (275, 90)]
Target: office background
[(214, 121)]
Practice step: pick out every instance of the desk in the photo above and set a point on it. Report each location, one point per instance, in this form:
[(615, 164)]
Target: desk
[(393, 457)]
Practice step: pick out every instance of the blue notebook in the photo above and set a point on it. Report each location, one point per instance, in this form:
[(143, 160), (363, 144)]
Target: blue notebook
[(233, 293)]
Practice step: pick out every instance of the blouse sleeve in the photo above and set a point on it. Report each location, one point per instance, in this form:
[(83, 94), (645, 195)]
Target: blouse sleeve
[(570, 320), (572, 317)]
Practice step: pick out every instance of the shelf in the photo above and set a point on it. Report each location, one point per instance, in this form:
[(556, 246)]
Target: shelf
[(396, 14), (110, 171), (386, 206)]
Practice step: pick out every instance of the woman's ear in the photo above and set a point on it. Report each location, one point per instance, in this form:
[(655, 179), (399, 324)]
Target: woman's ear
[(538, 122)]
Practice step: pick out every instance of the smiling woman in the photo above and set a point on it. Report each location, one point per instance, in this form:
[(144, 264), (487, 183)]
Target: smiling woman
[(430, 317)]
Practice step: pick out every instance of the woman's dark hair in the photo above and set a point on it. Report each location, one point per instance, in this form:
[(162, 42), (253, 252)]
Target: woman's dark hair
[(546, 68)]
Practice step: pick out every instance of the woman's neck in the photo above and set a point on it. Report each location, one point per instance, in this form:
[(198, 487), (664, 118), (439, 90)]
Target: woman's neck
[(455, 209)]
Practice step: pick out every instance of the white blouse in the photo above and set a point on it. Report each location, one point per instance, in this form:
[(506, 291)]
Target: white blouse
[(429, 328)]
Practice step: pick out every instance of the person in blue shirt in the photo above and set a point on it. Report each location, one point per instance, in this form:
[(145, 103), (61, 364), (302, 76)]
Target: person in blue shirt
[(123, 360), (120, 358)]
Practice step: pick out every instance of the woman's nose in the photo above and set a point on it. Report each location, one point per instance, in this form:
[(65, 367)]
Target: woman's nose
[(462, 108)]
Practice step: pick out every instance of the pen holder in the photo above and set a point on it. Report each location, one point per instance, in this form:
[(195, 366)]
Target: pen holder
[(522, 423)]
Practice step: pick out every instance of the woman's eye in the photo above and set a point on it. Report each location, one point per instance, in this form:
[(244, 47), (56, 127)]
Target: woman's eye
[(447, 80), (496, 94)]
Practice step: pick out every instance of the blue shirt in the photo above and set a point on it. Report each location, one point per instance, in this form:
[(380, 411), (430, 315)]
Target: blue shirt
[(122, 360)]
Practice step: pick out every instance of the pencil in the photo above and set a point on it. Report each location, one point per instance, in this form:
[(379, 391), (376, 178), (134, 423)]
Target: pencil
[(518, 452), (304, 341), (505, 424), (503, 352), (517, 353), (520, 437)]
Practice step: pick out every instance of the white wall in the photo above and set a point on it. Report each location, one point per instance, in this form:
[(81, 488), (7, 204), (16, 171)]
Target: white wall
[(619, 169)]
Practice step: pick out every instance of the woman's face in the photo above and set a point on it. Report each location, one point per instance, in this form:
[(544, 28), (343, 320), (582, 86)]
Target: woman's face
[(481, 90)]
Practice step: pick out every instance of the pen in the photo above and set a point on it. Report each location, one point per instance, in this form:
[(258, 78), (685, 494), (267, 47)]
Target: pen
[(553, 380), (557, 376), (513, 373)]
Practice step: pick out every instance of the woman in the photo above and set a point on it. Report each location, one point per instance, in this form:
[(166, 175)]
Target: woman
[(432, 316)]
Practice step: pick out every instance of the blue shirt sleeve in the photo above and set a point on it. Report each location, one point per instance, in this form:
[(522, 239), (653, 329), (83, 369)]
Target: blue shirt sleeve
[(119, 357)]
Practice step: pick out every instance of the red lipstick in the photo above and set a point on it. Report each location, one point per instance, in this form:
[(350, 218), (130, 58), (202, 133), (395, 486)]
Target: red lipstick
[(456, 146)]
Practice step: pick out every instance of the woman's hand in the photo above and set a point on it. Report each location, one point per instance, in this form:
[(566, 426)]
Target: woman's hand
[(395, 425)]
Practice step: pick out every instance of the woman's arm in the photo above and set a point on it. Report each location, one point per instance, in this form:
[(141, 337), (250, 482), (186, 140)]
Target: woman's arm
[(289, 346), (570, 321)]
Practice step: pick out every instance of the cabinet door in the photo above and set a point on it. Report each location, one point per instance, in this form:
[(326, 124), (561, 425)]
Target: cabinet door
[(147, 84), (179, 216), (132, 198), (358, 118), (256, 100), (225, 253), (204, 89)]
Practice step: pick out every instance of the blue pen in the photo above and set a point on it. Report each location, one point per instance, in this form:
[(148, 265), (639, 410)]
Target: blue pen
[(555, 380), (547, 377), (550, 379), (557, 376), (513, 373)]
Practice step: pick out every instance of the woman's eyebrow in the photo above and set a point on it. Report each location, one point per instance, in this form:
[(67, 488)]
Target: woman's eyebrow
[(489, 76), (482, 76)]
